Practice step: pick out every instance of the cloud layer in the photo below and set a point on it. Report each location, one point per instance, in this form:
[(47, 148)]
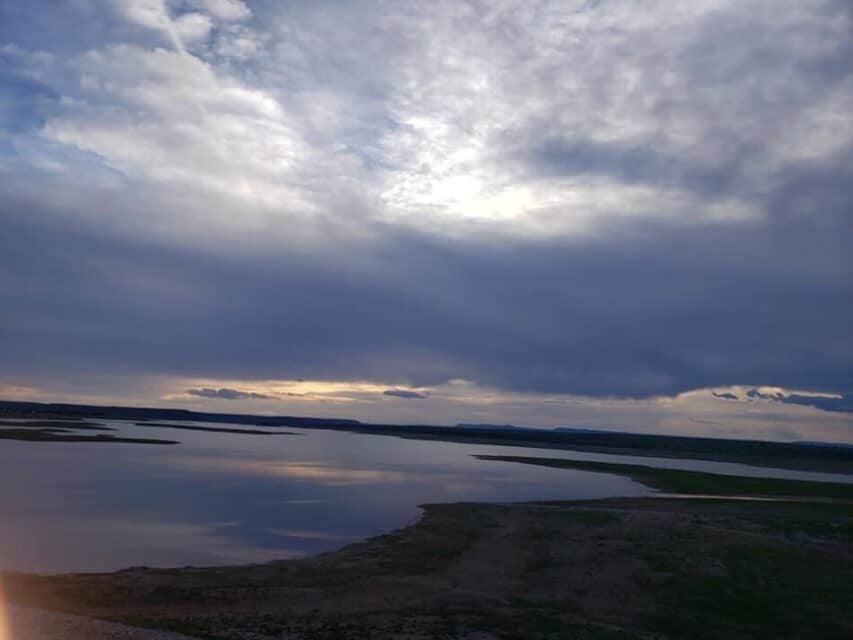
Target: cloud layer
[(225, 393), (406, 394), (601, 199)]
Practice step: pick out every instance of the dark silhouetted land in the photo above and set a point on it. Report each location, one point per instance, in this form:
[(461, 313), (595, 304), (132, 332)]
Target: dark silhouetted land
[(77, 425), (63, 435), (192, 427)]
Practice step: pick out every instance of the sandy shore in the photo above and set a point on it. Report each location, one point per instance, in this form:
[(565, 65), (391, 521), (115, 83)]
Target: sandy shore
[(37, 624)]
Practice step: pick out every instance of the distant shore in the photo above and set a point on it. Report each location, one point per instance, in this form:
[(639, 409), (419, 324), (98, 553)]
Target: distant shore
[(783, 455)]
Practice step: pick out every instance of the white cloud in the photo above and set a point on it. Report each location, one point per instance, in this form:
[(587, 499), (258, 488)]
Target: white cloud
[(238, 42), (193, 27), (441, 116), (146, 13), (168, 117), (228, 10), (468, 91)]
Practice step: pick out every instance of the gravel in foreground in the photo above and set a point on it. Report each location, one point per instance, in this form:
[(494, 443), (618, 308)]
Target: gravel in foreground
[(37, 624)]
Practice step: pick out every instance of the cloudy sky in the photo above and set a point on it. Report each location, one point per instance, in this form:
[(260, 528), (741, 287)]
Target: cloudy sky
[(626, 214)]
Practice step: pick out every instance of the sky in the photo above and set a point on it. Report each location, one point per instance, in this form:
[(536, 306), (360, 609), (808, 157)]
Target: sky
[(618, 214)]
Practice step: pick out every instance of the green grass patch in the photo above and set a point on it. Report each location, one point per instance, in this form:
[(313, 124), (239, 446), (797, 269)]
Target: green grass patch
[(696, 482), (768, 591)]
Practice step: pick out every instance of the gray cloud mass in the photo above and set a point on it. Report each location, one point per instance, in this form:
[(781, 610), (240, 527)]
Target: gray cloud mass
[(840, 404), (585, 198), (405, 394), (724, 396), (227, 394)]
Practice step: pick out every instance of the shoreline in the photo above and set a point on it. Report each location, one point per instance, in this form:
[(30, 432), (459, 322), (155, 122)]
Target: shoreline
[(501, 569), (614, 567)]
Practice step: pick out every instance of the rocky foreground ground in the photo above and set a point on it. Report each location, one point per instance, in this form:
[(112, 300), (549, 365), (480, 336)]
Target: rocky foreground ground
[(25, 623), (610, 569)]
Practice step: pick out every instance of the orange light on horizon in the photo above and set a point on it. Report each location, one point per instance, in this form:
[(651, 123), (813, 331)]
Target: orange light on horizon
[(5, 632)]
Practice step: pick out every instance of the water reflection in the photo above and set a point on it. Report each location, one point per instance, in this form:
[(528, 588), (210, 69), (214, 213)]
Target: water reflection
[(316, 472), (311, 535), (234, 498)]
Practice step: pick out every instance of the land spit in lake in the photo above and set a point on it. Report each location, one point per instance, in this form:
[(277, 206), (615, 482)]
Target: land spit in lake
[(779, 565), (65, 431)]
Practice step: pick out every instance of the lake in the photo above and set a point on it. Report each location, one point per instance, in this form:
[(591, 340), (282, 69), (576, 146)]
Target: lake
[(221, 498)]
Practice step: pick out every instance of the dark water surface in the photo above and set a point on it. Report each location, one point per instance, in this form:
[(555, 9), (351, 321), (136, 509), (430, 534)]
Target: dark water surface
[(222, 498)]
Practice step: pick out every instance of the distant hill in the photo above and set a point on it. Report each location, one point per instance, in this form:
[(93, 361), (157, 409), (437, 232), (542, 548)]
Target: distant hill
[(486, 426)]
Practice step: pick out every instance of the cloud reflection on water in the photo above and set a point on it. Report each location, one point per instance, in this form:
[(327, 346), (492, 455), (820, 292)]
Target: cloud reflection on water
[(311, 535), (42, 548), (314, 472), (225, 498)]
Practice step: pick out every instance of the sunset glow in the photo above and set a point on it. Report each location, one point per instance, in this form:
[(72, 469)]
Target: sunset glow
[(5, 632)]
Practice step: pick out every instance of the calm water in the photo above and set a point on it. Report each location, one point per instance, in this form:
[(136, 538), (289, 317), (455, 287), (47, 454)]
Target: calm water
[(228, 498)]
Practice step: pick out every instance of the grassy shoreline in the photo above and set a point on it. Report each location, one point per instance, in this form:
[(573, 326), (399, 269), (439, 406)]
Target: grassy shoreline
[(612, 569), (695, 482), (604, 569)]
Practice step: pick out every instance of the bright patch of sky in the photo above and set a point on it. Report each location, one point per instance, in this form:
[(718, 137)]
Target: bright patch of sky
[(525, 118)]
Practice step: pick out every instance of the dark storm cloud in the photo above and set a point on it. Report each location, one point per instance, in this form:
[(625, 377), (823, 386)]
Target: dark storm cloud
[(405, 394), (632, 165), (655, 311), (227, 394), (816, 193), (724, 396), (843, 404), (756, 394)]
